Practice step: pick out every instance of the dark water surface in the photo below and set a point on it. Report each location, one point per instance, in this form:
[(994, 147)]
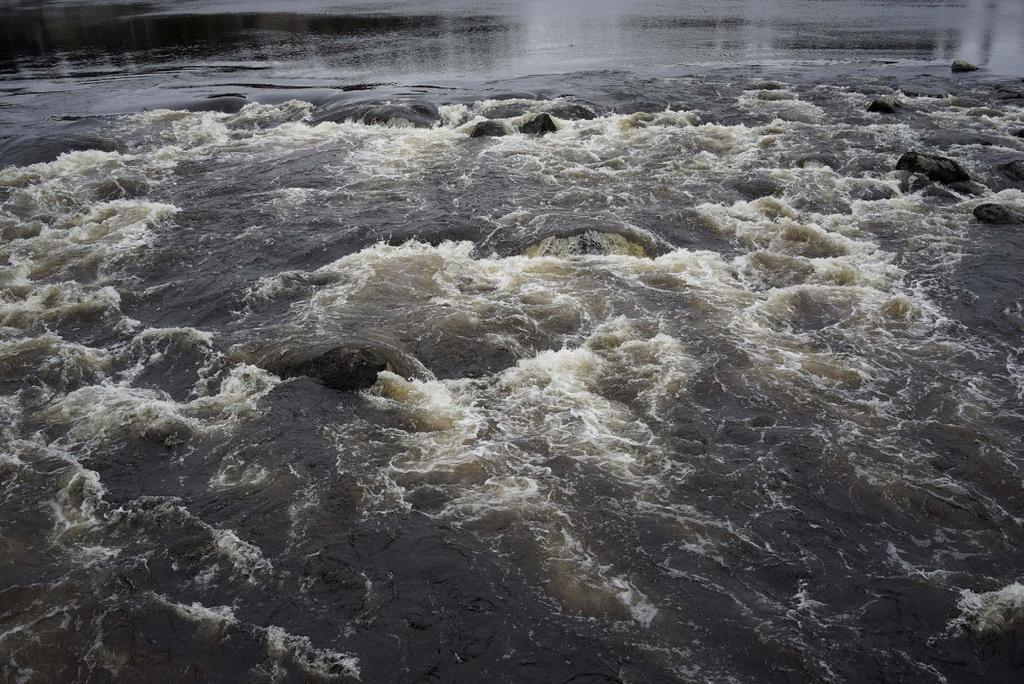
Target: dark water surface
[(698, 386)]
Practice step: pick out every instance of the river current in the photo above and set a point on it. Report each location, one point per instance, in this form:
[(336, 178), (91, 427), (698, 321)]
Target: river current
[(697, 385)]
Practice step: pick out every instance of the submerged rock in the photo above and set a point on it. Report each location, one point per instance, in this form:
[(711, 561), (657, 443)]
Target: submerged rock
[(995, 213), (415, 114), (755, 186), (340, 368), (225, 103), (1015, 169), (506, 110), (939, 192), (586, 243), (913, 91), (962, 66), (541, 124), (488, 129), (30, 149), (941, 138), (968, 188), (818, 161), (937, 168), (884, 105)]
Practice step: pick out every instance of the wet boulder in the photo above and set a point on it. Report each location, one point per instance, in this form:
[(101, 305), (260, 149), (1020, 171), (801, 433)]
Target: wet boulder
[(413, 114), (572, 111), (884, 105), (488, 129), (340, 368), (961, 66), (540, 124), (1014, 169), (871, 193), (936, 168), (1020, 133), (938, 192), (751, 186), (995, 213)]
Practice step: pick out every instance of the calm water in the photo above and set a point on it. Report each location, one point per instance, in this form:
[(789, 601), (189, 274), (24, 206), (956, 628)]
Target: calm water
[(697, 386)]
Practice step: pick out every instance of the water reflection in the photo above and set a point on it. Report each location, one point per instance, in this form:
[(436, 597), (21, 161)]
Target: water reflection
[(506, 37), (85, 34)]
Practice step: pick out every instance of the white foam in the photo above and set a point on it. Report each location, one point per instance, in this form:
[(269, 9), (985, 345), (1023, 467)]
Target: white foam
[(992, 612), (246, 558), (316, 662), (111, 411)]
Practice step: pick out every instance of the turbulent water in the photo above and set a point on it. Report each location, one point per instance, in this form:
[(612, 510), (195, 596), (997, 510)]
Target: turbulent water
[(701, 388)]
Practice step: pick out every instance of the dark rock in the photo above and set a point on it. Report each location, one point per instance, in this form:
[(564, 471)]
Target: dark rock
[(1020, 133), (872, 193), (912, 182), (935, 167), (571, 111), (884, 105), (488, 129), (770, 85), (541, 124), (995, 213), (960, 66), (1014, 169), (752, 186), (968, 188), (912, 91), (945, 191), (340, 368), (418, 114), (939, 192)]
